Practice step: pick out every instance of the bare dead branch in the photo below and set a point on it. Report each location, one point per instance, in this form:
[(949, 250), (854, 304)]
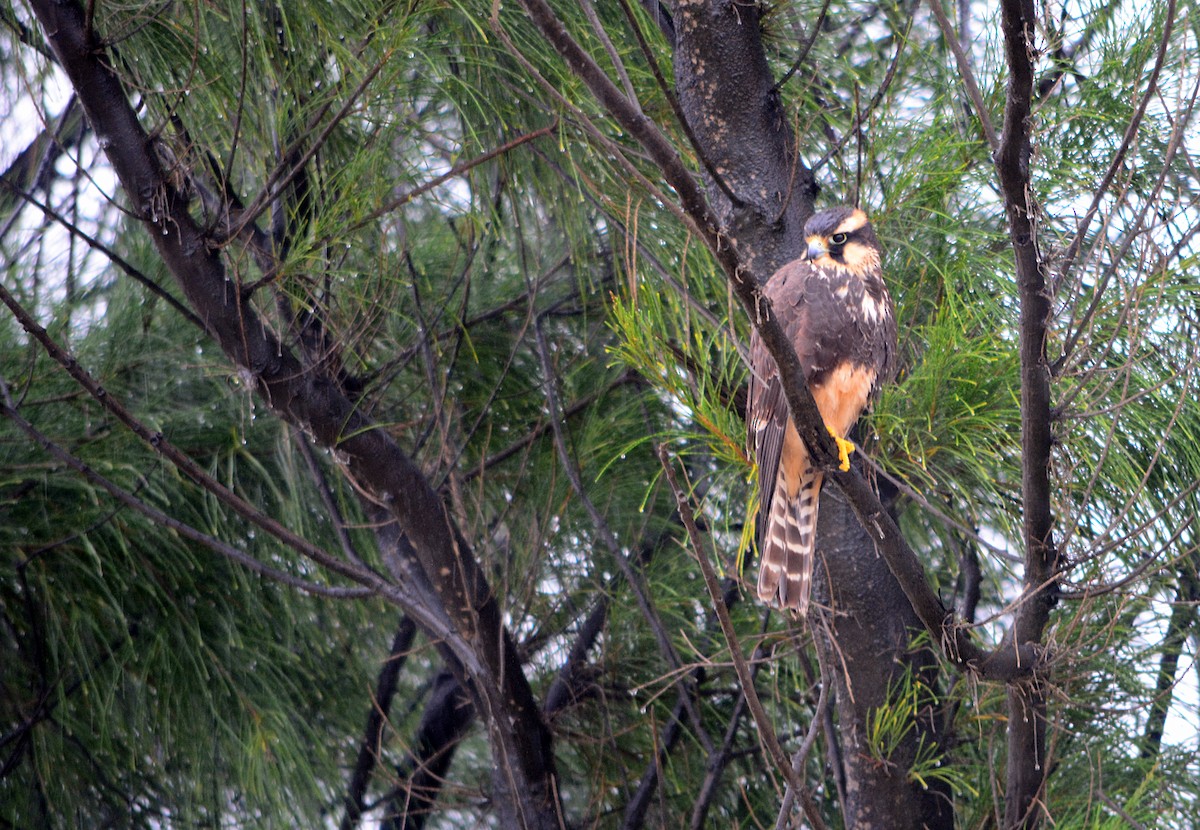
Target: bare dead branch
[(795, 786)]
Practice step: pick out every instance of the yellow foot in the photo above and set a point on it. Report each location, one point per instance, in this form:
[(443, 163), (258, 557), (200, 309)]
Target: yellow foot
[(844, 449)]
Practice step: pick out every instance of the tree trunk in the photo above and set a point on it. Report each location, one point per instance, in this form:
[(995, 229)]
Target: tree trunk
[(864, 627), (765, 193)]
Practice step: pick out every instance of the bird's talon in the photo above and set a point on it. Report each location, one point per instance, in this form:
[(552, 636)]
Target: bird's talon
[(845, 448)]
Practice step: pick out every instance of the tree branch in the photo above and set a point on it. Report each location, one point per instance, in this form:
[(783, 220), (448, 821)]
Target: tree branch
[(158, 517), (526, 794), (968, 74), (444, 722), (1026, 767), (381, 703), (766, 730), (608, 539)]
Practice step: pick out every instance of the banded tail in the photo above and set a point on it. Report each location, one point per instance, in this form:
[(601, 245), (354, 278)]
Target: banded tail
[(786, 563)]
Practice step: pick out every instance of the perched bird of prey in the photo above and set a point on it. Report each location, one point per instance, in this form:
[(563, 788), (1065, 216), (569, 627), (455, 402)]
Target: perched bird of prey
[(834, 307)]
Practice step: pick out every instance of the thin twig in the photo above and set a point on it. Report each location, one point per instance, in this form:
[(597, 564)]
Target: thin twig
[(619, 65), (766, 730), (609, 540), (717, 763), (968, 74), (795, 785), (805, 49), (113, 257), (1118, 159), (865, 112)]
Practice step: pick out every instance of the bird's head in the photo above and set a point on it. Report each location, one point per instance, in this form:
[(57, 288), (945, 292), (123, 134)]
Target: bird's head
[(842, 238)]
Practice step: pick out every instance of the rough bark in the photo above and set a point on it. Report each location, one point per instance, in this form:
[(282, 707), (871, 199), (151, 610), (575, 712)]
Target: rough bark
[(863, 633), (729, 97), (458, 608)]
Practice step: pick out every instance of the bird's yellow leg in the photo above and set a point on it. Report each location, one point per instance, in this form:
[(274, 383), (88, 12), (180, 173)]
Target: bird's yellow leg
[(845, 448)]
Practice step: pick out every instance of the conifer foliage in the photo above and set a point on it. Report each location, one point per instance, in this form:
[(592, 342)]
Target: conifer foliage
[(372, 395)]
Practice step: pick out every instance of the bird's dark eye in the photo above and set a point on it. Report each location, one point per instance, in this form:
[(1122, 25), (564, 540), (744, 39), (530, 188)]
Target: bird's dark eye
[(838, 239)]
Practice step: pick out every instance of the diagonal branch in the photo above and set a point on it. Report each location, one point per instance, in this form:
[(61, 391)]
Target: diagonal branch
[(766, 729), (968, 74), (370, 749), (182, 461), (1118, 159), (525, 790), (158, 517), (1004, 664), (608, 539)]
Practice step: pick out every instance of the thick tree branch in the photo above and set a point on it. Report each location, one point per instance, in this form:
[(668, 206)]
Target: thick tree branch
[(525, 791), (1026, 764), (719, 56)]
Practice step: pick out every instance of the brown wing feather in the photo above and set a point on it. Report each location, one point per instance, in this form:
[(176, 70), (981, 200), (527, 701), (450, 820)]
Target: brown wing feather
[(768, 410), (787, 513)]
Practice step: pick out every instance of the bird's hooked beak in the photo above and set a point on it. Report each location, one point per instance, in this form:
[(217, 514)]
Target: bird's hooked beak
[(816, 249)]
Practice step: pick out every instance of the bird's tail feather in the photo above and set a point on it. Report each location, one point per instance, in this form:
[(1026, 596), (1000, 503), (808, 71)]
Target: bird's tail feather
[(787, 543)]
